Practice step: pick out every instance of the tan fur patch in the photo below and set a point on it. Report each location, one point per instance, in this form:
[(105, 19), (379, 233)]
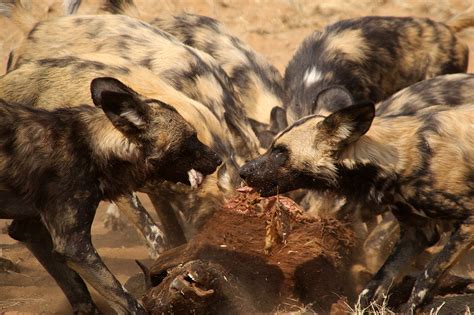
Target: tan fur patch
[(349, 42), (108, 142)]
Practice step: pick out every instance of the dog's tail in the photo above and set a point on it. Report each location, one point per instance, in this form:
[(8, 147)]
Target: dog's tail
[(462, 20), (20, 13)]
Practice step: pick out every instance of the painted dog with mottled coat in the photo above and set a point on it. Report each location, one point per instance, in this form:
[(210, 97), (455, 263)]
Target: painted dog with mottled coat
[(419, 166), (371, 58), (257, 83), (181, 67), (191, 71), (55, 167), (451, 90), (53, 82)]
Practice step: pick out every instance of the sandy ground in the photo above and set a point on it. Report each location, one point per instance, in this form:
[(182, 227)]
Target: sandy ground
[(34, 291), (273, 28)]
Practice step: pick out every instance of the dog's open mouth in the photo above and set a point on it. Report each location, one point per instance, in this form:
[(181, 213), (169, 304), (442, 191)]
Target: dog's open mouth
[(195, 178)]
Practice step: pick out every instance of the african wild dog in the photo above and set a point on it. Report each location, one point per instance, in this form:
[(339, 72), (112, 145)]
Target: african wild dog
[(188, 70), (258, 84), (451, 90), (53, 82), (183, 67), (55, 167), (420, 166), (369, 59), (378, 238)]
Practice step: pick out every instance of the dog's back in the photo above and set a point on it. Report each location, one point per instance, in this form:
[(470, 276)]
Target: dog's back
[(448, 135), (369, 59)]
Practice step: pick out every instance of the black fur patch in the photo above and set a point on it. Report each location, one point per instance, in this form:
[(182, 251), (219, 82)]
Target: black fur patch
[(10, 61)]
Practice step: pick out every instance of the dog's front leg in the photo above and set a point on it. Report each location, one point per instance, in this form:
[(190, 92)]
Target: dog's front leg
[(416, 234), (461, 241), (35, 236), (69, 223), (131, 206)]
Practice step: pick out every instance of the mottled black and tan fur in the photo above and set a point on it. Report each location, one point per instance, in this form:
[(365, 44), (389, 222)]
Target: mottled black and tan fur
[(188, 70), (419, 166), (451, 90), (371, 58), (257, 83), (56, 166), (58, 82)]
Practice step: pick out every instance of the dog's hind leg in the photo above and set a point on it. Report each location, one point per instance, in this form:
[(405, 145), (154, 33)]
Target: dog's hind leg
[(460, 242), (35, 236), (69, 223)]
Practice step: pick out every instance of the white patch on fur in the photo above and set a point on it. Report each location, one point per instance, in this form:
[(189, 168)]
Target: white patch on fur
[(364, 292), (155, 230), (133, 118), (422, 294), (311, 76), (135, 200), (344, 131)]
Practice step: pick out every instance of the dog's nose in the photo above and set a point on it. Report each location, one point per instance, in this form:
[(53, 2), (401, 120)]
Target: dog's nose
[(244, 172)]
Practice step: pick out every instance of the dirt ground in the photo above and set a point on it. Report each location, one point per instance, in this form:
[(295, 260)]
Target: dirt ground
[(272, 27)]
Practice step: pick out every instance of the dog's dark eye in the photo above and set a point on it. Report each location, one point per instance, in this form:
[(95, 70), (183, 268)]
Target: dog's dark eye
[(280, 154), (279, 149)]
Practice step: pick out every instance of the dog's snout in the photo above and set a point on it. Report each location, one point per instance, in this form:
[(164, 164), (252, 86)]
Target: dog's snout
[(245, 171)]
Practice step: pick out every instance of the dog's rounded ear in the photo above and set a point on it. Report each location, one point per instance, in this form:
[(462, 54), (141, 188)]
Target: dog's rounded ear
[(121, 104), (332, 99), (349, 124), (108, 85), (266, 138)]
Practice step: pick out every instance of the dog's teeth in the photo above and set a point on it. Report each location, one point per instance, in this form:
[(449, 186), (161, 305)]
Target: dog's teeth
[(195, 178), (192, 178), (199, 178)]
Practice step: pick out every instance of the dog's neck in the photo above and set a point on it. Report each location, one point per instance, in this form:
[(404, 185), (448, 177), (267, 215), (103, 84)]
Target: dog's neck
[(390, 144), (107, 142), (370, 167), (119, 161)]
